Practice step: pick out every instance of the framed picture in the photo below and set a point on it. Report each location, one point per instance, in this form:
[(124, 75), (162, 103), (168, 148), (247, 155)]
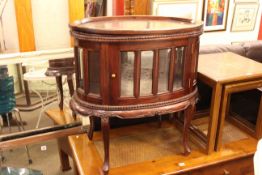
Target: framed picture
[(176, 8), (245, 16), (215, 15), (236, 1)]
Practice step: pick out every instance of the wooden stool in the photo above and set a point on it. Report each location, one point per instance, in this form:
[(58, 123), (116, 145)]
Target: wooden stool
[(58, 68)]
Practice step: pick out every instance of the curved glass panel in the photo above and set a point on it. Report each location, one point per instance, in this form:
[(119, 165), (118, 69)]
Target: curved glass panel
[(81, 67), (127, 73), (179, 68), (94, 72), (164, 61), (146, 72)]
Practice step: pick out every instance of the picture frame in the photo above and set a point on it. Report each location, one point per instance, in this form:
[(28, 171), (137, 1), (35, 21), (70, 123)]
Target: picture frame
[(215, 15), (247, 1), (244, 18), (176, 8)]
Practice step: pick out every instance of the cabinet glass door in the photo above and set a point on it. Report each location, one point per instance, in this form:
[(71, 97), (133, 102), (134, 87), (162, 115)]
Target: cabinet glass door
[(164, 64), (94, 72), (179, 68), (127, 73)]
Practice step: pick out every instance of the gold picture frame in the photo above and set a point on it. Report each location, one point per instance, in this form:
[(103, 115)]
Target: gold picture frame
[(176, 8), (244, 18)]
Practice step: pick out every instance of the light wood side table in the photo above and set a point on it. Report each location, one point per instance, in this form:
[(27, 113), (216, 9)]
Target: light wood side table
[(226, 73)]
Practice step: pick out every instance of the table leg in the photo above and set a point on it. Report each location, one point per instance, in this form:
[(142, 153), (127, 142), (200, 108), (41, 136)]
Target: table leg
[(91, 130), (227, 91), (213, 119), (189, 112), (64, 151), (60, 88), (259, 120), (76, 172), (64, 159), (224, 108), (105, 130)]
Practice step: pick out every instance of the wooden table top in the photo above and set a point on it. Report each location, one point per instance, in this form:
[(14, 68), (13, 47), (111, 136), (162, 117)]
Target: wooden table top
[(228, 67), (142, 25)]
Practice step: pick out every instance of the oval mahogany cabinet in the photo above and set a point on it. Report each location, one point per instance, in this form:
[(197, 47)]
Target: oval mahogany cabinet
[(134, 67)]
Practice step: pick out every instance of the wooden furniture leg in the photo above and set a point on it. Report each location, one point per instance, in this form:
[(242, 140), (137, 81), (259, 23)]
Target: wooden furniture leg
[(105, 131), (189, 112), (60, 88), (64, 159), (64, 152), (227, 91), (70, 84), (26, 88), (259, 118), (71, 90), (76, 172), (214, 115), (91, 130)]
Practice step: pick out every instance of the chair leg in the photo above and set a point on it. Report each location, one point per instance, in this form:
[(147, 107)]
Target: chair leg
[(21, 126), (1, 128), (2, 158), (39, 119), (70, 84), (60, 88), (8, 124), (42, 107)]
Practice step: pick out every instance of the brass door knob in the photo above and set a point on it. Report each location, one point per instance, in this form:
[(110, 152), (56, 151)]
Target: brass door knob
[(113, 75), (226, 172)]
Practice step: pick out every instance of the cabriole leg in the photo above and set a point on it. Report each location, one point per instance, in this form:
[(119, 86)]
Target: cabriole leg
[(189, 112), (91, 130), (105, 130)]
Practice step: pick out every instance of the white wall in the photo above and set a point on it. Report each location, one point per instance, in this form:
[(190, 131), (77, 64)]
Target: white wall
[(109, 9), (10, 28), (50, 21), (226, 37), (11, 37), (218, 37)]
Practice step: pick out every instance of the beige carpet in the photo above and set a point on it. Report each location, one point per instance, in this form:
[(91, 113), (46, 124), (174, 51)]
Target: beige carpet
[(145, 146), (230, 132), (156, 144)]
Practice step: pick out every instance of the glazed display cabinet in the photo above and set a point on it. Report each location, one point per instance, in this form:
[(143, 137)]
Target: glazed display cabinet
[(134, 67)]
